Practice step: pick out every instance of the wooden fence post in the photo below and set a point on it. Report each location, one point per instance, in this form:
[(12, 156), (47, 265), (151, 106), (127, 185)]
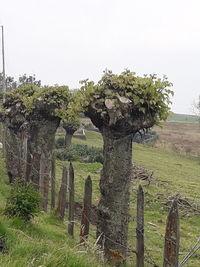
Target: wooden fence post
[(71, 201), (87, 205), (140, 228), (60, 212), (172, 237), (53, 182)]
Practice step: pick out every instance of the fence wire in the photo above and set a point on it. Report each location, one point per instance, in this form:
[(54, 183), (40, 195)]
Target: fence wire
[(148, 257)]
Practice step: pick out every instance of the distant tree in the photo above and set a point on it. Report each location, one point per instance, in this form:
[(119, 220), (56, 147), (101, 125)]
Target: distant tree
[(70, 125), (12, 83), (195, 107), (120, 106), (198, 108), (31, 79)]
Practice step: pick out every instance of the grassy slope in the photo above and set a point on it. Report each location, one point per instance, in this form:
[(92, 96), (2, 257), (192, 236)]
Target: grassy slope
[(172, 174), (183, 118), (45, 243)]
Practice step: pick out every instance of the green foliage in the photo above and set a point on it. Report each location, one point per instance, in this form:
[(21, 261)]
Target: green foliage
[(59, 142), (78, 152), (71, 125), (29, 98), (23, 201), (147, 94), (2, 230)]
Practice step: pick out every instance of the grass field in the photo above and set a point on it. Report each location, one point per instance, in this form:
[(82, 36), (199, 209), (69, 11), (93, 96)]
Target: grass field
[(183, 118), (44, 242), (181, 137)]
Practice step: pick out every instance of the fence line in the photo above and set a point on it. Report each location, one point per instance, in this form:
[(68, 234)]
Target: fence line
[(186, 258)]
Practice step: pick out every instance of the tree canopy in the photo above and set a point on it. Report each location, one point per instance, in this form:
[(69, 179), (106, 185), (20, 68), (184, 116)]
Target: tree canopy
[(118, 97), (51, 100)]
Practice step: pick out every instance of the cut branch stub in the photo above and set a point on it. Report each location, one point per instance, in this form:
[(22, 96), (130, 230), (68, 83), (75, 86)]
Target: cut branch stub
[(87, 203), (172, 237)]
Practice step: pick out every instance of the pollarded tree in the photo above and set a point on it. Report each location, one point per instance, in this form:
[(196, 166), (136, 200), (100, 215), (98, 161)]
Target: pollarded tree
[(49, 104), (120, 106), (70, 125), (43, 109)]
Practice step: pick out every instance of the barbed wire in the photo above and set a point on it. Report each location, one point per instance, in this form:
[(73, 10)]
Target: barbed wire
[(148, 257), (190, 253)]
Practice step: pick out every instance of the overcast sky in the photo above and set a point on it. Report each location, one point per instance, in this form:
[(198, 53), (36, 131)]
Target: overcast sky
[(65, 41)]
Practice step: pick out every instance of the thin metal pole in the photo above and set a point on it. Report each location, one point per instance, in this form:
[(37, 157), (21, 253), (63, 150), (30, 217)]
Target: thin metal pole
[(3, 132), (3, 60)]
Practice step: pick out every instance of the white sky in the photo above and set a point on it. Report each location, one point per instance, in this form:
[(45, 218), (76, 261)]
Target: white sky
[(65, 41)]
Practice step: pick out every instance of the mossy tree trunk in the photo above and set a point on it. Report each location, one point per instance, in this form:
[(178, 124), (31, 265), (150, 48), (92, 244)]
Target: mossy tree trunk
[(23, 153), (113, 207), (40, 143)]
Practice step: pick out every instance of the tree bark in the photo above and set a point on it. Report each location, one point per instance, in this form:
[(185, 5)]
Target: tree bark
[(113, 210), (23, 153), (12, 148), (41, 141)]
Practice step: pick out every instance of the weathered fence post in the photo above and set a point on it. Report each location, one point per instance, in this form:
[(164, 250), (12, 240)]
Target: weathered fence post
[(140, 228), (172, 237), (71, 201), (87, 204), (60, 212), (53, 182)]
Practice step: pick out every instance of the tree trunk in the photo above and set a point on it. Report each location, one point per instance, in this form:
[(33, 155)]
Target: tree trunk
[(12, 148), (68, 139), (41, 141), (23, 153), (113, 210)]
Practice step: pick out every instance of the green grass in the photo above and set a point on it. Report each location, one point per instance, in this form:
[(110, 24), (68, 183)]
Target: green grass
[(44, 242), (172, 174), (183, 118)]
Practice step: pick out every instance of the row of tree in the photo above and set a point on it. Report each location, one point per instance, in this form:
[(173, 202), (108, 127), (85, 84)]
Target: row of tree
[(118, 105)]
